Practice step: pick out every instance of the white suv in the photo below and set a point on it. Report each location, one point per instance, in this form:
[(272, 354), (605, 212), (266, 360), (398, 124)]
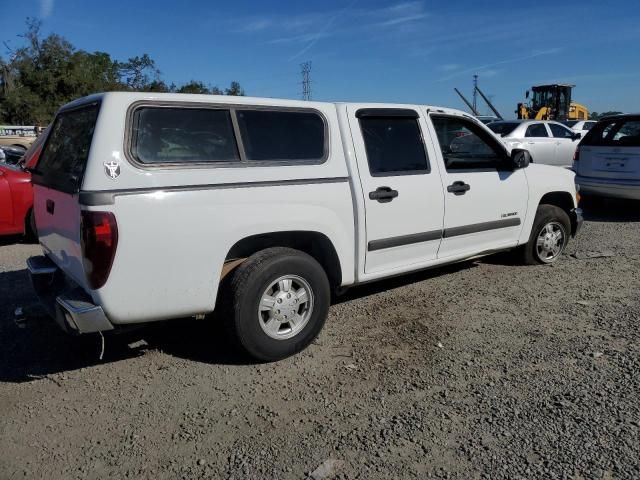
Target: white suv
[(159, 206), (607, 163)]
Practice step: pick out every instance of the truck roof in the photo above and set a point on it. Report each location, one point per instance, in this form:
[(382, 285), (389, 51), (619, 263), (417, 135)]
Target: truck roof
[(131, 97)]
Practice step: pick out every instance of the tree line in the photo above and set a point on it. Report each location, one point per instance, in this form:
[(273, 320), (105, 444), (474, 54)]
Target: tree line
[(47, 72)]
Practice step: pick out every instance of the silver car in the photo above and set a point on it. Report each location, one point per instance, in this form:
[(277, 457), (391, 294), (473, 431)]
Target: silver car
[(548, 142), (607, 163)]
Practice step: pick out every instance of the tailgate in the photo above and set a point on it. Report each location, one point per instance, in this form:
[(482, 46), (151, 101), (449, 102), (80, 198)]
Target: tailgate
[(57, 179), (607, 162)]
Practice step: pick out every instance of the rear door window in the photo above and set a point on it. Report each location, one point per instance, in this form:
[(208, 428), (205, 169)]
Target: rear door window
[(63, 160), (614, 133), (179, 135), (536, 130), (282, 135), (394, 146)]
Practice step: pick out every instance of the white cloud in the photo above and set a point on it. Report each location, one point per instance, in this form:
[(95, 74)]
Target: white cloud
[(46, 8), (487, 68)]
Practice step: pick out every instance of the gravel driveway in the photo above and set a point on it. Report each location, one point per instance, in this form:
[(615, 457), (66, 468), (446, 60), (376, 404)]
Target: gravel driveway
[(480, 370)]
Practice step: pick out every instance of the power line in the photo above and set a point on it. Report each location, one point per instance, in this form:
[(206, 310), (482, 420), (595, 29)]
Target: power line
[(306, 80)]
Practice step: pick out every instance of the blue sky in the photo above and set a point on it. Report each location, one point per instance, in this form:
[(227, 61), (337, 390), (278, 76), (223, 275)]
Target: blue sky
[(404, 51)]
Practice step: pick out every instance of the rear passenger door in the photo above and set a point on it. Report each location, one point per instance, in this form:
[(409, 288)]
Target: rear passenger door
[(401, 187), (540, 144), (485, 199)]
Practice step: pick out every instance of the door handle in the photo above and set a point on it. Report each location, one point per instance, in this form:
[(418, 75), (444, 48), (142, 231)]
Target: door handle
[(458, 188), (383, 194), (51, 205)]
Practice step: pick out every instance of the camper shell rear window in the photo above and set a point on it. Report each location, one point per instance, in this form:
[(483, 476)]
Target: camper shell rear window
[(64, 156)]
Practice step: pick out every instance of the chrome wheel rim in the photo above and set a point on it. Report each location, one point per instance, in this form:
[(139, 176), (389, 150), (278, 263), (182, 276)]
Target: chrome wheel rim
[(550, 242), (285, 307)]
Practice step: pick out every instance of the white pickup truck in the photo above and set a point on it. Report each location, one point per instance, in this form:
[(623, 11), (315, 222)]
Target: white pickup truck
[(159, 206)]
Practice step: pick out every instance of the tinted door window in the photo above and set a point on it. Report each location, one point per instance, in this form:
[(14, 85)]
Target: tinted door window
[(466, 146), (536, 130), (62, 162), (394, 146), (558, 131), (282, 135), (183, 135)]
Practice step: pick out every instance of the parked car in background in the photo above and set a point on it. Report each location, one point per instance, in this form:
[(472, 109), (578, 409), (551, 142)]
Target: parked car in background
[(549, 142), (16, 192), (580, 126), (18, 136), (607, 162), (11, 155), (158, 206)]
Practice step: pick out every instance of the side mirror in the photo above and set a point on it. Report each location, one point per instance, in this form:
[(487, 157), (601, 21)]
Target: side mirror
[(576, 136), (520, 158), (527, 94)]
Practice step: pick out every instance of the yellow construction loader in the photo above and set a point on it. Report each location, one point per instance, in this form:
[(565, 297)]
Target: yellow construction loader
[(552, 102)]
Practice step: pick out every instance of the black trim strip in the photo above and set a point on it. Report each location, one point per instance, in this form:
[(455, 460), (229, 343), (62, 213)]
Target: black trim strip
[(391, 242), (404, 240), (480, 227), (107, 197), (387, 112)]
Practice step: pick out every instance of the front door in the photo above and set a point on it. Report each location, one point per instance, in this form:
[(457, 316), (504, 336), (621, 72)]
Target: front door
[(401, 187), (485, 199)]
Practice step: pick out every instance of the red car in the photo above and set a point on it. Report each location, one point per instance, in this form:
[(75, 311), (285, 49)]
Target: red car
[(16, 193)]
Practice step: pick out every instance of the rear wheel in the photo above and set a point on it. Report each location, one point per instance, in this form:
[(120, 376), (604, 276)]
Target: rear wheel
[(549, 236), (276, 303)]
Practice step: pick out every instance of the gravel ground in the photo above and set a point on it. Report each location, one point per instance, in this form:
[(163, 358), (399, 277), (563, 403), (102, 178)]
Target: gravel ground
[(481, 370)]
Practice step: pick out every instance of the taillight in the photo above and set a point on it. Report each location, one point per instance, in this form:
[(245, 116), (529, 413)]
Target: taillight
[(576, 154), (99, 240)]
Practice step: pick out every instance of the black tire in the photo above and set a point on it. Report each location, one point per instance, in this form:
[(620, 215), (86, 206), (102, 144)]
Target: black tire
[(243, 292), (546, 214)]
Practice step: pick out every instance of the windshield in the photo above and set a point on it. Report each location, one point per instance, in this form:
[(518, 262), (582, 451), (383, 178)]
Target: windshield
[(503, 128)]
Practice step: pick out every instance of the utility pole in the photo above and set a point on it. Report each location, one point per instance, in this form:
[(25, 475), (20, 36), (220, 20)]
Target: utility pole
[(306, 80), (475, 93)]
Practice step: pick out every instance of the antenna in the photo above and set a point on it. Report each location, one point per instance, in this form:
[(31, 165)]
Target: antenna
[(306, 80)]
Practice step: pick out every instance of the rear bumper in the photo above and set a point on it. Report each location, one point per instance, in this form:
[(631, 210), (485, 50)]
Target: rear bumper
[(69, 305), (604, 187)]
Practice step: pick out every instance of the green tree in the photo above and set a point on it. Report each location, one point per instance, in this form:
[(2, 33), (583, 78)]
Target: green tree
[(47, 72), (193, 87), (234, 89)]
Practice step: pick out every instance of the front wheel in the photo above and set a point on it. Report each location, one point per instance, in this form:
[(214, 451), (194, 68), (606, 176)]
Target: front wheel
[(278, 301), (549, 236)]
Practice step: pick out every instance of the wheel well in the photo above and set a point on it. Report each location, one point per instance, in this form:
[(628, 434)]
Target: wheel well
[(315, 244), (562, 200)]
